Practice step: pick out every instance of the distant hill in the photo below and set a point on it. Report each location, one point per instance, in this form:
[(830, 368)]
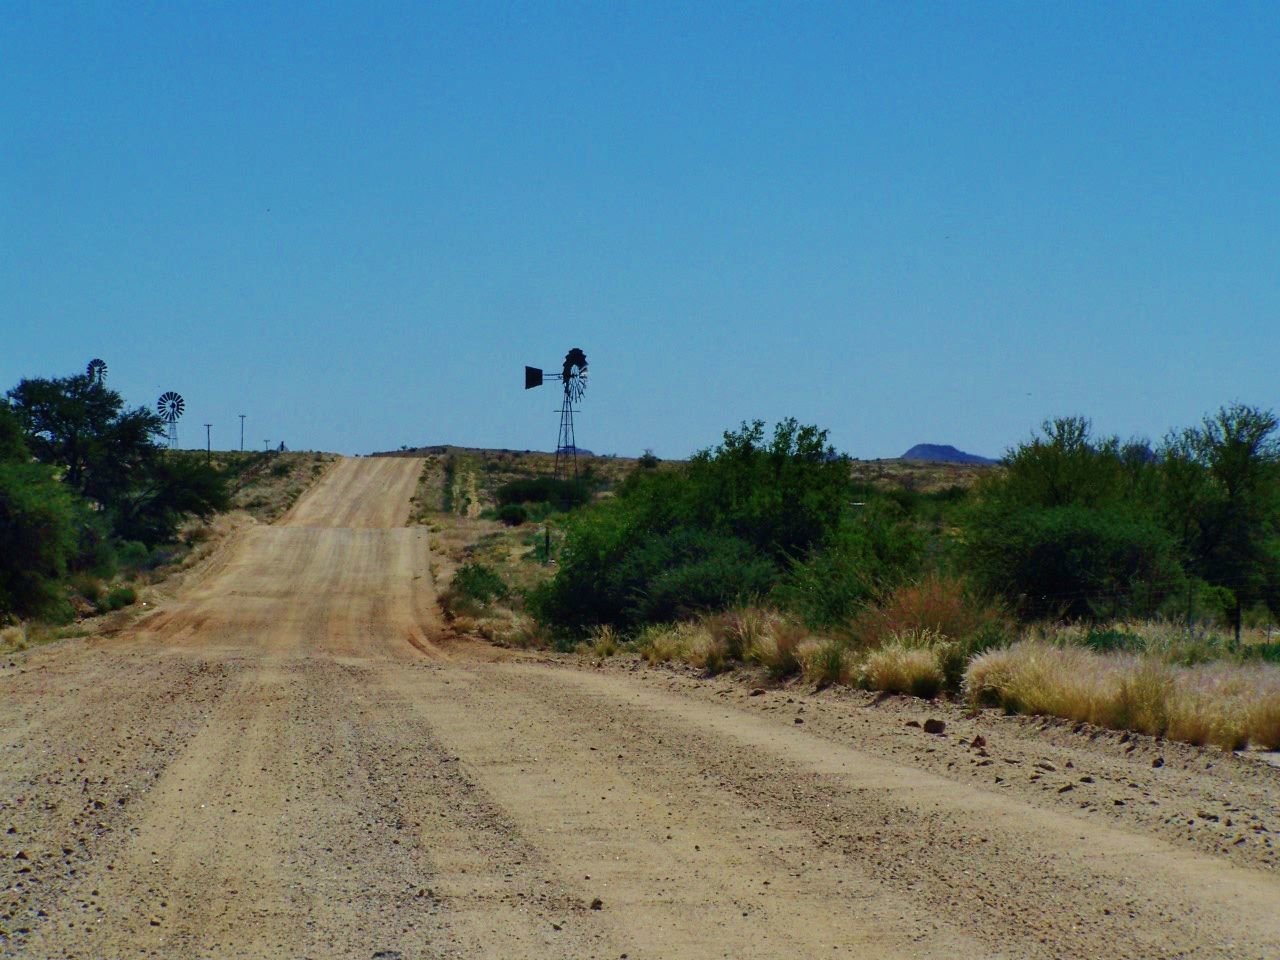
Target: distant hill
[(943, 453)]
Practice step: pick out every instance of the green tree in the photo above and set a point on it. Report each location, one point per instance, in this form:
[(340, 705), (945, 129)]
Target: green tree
[(164, 492), (38, 538), (874, 547), (1070, 527), (719, 530), (81, 427), (13, 449), (1071, 561), (109, 455), (783, 495), (1221, 493)]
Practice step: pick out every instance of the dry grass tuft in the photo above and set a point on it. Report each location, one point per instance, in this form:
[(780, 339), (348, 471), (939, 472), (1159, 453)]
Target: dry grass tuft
[(742, 629), (688, 642), (936, 603), (715, 643), (904, 665), (13, 639), (602, 643), (526, 633), (777, 647), (824, 662), (1228, 705), (1262, 717)]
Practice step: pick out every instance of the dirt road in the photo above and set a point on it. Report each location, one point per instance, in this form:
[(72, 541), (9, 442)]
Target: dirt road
[(289, 761)]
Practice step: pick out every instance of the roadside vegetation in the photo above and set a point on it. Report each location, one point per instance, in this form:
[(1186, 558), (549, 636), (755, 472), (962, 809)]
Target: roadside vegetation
[(1124, 584), (93, 508), (497, 523)]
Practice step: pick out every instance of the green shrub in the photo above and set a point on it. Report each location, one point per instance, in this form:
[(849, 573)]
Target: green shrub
[(118, 597), (561, 494), (689, 572), (133, 555), (479, 583), (87, 586), (513, 514), (38, 526), (172, 489), (607, 576), (1072, 561), (712, 533), (1266, 652), (870, 550)]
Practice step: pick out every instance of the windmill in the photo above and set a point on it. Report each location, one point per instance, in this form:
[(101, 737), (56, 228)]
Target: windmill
[(170, 407), (574, 377), (96, 371)]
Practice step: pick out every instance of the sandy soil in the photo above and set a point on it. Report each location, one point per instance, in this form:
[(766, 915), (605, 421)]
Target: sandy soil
[(287, 760)]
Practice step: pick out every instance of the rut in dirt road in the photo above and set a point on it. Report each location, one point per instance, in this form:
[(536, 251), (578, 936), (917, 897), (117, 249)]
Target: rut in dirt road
[(289, 760)]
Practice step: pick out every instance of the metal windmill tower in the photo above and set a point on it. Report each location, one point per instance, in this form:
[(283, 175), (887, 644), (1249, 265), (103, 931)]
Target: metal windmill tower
[(96, 371), (574, 377), (170, 407)]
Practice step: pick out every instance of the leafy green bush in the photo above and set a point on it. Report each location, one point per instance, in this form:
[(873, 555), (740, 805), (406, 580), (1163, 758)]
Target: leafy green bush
[(610, 574), (88, 587), (479, 583), (38, 524), (95, 547), (172, 489), (870, 551), (1073, 561), (561, 494), (1112, 640), (513, 514), (784, 495), (133, 555), (715, 532), (118, 597), (691, 571), (13, 446), (1266, 652)]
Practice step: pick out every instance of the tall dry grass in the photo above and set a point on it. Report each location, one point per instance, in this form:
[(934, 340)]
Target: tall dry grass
[(825, 661), (13, 638), (777, 647), (603, 642), (716, 642), (1226, 704), (904, 665), (691, 642), (937, 603)]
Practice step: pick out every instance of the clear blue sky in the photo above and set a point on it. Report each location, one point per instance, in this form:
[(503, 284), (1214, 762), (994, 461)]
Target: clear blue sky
[(904, 222)]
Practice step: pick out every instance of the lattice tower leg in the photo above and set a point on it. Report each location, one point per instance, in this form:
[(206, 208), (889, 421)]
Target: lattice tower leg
[(566, 444)]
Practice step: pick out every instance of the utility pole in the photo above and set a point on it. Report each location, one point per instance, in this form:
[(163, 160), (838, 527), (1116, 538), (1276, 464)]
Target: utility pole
[(265, 445), (242, 433), (208, 444)]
